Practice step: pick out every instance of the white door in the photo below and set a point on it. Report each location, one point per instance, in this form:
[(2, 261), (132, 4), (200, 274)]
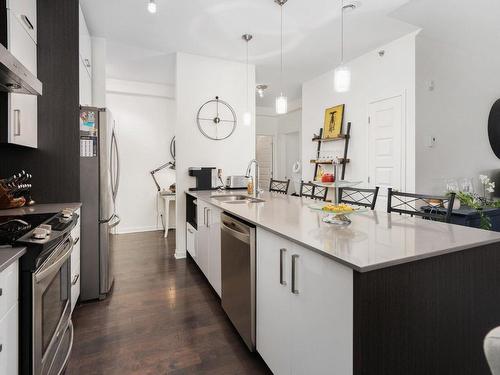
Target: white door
[(273, 302), (265, 158), (385, 146), (291, 157)]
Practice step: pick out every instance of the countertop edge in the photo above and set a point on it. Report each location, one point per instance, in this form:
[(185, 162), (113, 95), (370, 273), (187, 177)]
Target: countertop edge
[(14, 253), (44, 208), (354, 267)]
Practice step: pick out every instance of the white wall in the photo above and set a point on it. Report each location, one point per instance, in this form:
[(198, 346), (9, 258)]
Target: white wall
[(145, 121), (373, 78), (199, 79), (455, 112)]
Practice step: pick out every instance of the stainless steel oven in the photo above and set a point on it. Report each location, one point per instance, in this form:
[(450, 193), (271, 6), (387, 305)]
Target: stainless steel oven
[(46, 332), (52, 310)]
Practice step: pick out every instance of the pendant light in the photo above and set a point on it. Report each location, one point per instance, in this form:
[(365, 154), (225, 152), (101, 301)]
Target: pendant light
[(152, 6), (342, 75), (281, 100), (247, 116)]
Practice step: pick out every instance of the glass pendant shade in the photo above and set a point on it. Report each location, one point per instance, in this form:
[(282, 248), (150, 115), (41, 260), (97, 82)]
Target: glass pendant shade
[(152, 6), (342, 79), (281, 105), (247, 118)]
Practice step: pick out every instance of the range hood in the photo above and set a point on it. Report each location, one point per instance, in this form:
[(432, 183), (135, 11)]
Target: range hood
[(14, 77)]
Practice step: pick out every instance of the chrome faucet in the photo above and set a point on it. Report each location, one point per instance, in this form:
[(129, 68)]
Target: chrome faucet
[(255, 189)]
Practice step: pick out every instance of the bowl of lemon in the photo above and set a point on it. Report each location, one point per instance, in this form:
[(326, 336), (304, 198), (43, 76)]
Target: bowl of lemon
[(336, 213)]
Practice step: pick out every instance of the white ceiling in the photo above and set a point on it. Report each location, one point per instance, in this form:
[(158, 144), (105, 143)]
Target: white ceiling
[(141, 46)]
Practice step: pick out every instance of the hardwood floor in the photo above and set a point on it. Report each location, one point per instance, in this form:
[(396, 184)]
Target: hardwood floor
[(162, 318)]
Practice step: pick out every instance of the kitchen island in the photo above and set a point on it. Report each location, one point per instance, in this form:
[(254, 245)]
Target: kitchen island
[(388, 294)]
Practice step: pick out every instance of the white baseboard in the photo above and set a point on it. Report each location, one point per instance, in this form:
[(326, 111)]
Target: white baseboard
[(180, 254)]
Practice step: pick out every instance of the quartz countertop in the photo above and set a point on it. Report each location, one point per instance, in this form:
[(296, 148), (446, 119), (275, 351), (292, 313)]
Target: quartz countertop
[(374, 239), (47, 208), (9, 255)]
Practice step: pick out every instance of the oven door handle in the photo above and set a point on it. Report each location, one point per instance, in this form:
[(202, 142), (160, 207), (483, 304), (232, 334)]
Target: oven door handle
[(39, 276)]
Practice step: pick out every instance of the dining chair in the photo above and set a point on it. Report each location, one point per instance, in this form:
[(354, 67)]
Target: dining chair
[(425, 206), (279, 186), (359, 197), (309, 190)]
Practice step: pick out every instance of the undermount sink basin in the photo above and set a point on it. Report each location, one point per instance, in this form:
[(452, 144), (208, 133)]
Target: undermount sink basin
[(237, 199), (226, 198)]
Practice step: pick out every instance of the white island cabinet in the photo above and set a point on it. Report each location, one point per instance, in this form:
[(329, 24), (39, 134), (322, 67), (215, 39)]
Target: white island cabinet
[(208, 245), (9, 317), (304, 309)]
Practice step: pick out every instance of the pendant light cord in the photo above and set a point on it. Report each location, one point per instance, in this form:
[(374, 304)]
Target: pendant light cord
[(341, 32), (281, 74), (247, 78)]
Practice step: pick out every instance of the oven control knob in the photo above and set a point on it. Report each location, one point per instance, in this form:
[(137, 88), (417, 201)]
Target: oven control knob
[(47, 227), (67, 213), (40, 233)]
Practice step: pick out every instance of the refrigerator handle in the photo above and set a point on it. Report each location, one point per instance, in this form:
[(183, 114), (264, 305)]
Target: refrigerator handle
[(117, 177)]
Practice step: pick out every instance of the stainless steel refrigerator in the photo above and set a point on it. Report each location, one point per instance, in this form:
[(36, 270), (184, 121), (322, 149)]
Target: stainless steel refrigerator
[(99, 181)]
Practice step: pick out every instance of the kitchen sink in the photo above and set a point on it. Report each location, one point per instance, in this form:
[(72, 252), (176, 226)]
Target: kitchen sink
[(226, 198), (236, 199)]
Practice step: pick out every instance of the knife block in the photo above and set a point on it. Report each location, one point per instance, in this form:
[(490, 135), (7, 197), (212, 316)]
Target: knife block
[(7, 201)]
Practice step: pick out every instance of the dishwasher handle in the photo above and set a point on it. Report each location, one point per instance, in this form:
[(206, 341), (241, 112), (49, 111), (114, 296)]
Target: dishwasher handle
[(234, 230)]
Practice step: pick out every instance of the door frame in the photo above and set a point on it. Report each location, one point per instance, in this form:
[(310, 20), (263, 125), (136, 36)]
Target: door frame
[(404, 125), (274, 146)]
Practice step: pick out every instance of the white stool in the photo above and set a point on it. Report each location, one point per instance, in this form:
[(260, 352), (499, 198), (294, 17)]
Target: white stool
[(492, 350)]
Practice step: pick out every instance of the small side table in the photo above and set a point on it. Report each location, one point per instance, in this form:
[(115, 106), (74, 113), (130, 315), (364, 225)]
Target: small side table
[(167, 198)]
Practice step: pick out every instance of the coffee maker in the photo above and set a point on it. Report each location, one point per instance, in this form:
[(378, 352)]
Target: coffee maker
[(206, 178)]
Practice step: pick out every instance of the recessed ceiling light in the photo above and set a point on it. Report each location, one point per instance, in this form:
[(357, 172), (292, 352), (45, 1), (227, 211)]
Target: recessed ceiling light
[(152, 6)]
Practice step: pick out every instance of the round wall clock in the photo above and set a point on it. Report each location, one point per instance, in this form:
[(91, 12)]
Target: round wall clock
[(494, 128), (216, 119)]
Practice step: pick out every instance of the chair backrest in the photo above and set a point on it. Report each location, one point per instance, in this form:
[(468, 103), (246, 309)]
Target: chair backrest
[(312, 191), (279, 186), (421, 205), (359, 197)]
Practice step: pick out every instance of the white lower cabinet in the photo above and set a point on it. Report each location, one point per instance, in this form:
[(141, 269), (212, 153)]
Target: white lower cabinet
[(9, 341), (9, 319), (191, 240), (304, 309), (208, 251)]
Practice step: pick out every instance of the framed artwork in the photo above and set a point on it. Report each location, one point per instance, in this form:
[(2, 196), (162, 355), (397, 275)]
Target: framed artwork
[(334, 118)]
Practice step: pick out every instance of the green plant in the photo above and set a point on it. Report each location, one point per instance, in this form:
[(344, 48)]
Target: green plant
[(468, 199)]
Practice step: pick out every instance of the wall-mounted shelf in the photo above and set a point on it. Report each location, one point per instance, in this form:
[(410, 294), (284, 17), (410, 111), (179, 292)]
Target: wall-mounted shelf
[(340, 160), (339, 138)]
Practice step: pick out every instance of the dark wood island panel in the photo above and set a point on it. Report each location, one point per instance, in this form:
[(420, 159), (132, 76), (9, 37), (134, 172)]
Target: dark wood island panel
[(427, 317)]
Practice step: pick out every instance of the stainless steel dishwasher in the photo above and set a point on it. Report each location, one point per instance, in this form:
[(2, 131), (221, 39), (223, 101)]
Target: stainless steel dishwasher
[(238, 276)]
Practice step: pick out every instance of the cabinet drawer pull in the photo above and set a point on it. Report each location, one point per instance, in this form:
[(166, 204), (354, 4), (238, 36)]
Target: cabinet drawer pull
[(282, 255), (1, 347), (1, 292), (208, 217), (27, 21), (17, 122), (294, 274), (75, 279)]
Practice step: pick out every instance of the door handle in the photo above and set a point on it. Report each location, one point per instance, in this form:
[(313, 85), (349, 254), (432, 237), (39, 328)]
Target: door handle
[(282, 255), (17, 122), (294, 274), (27, 21)]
